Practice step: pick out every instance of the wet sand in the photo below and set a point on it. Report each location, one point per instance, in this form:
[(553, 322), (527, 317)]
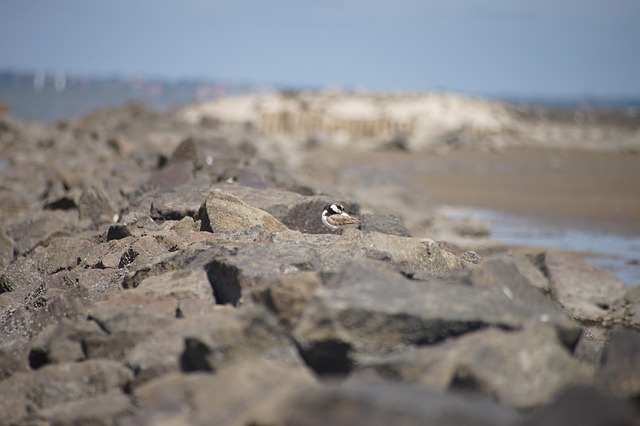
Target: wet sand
[(585, 189)]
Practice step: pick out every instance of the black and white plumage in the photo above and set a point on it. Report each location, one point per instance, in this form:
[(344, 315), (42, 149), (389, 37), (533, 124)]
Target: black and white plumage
[(334, 217)]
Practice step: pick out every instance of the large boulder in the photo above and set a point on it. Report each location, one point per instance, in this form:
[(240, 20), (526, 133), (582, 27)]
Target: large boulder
[(224, 213), (587, 292), (523, 369), (373, 310)]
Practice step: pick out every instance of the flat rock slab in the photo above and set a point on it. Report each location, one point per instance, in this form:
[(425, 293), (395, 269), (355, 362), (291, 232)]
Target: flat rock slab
[(224, 213), (370, 315), (620, 371), (210, 342), (382, 404), (587, 292), (523, 369), (60, 383), (247, 392)]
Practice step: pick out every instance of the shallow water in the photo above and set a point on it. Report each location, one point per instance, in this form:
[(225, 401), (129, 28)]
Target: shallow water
[(616, 253)]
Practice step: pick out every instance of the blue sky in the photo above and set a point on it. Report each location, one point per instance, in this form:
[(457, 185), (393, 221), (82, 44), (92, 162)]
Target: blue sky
[(523, 47)]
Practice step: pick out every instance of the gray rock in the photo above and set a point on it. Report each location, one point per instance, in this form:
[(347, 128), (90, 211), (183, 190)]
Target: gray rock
[(287, 296), (375, 314), (591, 346), (210, 342), (127, 318), (224, 213), (253, 332), (295, 211), (181, 202), (13, 359), (503, 275), (588, 293), (158, 352), (179, 284), (63, 253), (62, 342), (583, 406), (384, 224), (59, 383), (246, 392), (522, 369), (411, 256), (629, 307), (172, 176), (21, 276), (386, 404), (252, 266), (132, 224), (620, 372), (102, 410), (6, 249), (186, 151), (38, 228), (94, 204)]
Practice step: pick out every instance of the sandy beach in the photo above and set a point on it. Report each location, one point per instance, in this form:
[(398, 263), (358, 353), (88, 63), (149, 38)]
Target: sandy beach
[(585, 189)]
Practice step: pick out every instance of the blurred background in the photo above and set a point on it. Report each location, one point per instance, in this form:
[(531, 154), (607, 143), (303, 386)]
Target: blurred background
[(170, 52), (568, 72)]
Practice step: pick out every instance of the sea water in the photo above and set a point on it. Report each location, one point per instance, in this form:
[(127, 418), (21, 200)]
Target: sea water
[(613, 252)]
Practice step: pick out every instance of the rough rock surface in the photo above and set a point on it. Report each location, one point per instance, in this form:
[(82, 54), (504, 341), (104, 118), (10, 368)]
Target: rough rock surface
[(158, 271)]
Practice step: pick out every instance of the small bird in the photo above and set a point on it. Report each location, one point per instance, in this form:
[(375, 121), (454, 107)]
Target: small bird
[(334, 217)]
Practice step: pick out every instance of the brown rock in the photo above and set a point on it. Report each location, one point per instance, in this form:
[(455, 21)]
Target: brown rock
[(224, 213), (288, 296)]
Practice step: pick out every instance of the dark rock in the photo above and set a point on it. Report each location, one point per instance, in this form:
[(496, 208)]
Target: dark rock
[(224, 213), (583, 406), (523, 369), (620, 370), (384, 224), (6, 249), (186, 151), (588, 293), (386, 404), (306, 217), (378, 314)]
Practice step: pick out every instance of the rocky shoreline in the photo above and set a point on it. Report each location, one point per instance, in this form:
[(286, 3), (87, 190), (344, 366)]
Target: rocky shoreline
[(156, 270)]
